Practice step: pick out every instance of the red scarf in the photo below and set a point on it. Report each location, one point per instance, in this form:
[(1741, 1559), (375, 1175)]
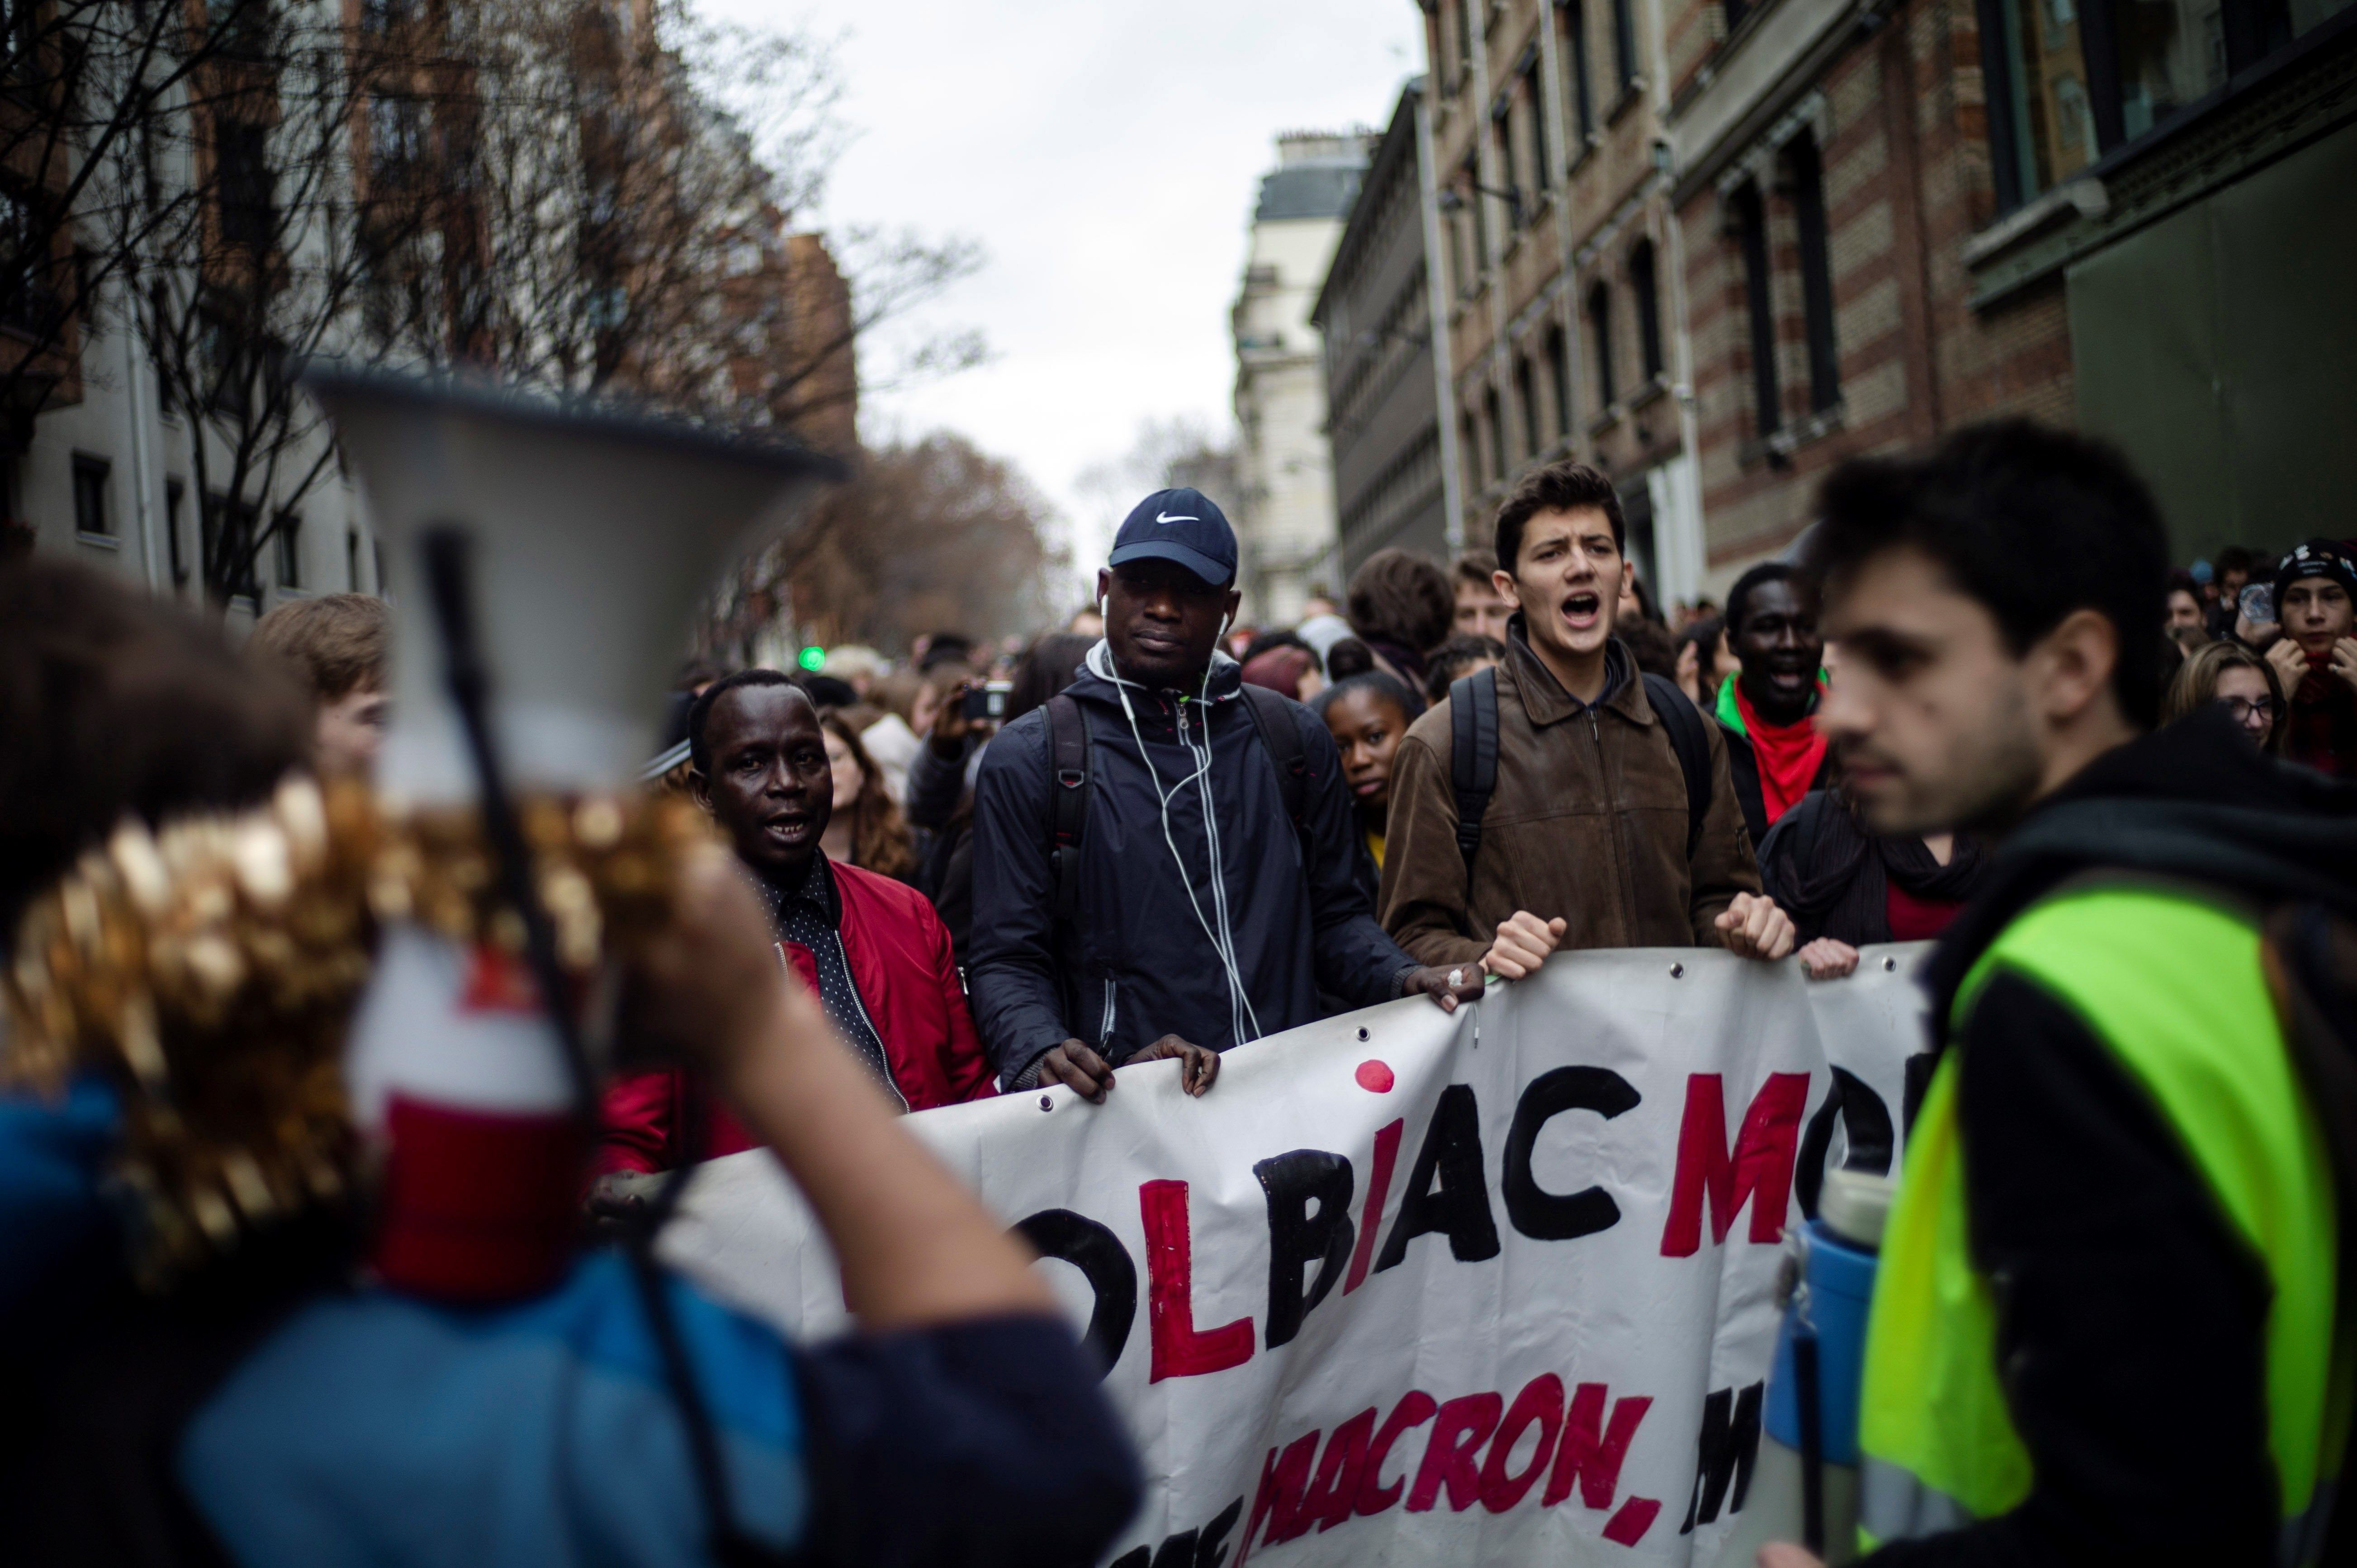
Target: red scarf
[(1790, 754)]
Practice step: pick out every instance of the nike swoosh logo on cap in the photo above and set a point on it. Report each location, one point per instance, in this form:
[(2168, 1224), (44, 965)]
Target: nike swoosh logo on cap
[(1166, 517)]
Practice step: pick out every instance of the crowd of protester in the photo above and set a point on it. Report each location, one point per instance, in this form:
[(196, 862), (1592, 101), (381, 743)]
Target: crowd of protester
[(1152, 834)]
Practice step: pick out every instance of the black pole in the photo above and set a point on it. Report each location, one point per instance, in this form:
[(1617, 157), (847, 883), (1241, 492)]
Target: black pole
[(1813, 1443)]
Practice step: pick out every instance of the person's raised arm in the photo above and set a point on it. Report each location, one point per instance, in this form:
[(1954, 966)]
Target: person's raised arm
[(915, 1247)]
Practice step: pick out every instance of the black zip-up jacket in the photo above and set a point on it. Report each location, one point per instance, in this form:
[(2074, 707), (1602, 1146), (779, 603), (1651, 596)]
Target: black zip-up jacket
[(1144, 958), (2131, 1315)]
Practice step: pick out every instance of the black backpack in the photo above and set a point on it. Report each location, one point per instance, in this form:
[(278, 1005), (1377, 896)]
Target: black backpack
[(1473, 753), (1067, 764)]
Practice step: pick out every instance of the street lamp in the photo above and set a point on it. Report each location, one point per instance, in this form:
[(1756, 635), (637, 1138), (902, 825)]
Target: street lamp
[(1450, 202)]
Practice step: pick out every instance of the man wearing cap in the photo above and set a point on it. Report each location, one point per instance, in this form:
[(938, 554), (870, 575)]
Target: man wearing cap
[(1164, 856), (2315, 656)]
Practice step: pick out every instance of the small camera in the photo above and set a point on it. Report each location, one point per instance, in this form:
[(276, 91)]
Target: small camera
[(987, 701)]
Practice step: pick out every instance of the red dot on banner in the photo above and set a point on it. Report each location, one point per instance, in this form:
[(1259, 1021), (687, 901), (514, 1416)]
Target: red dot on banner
[(1375, 1076)]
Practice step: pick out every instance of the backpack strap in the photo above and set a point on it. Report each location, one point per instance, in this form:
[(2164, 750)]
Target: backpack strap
[(1687, 738), (1068, 800), (1472, 756), (1280, 736)]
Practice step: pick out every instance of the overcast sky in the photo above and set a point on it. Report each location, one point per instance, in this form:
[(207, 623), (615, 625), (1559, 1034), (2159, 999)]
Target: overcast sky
[(1106, 154)]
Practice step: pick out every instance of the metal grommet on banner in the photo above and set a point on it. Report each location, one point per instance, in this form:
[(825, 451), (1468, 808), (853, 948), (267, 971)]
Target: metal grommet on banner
[(1889, 965), (1362, 1032), (1047, 1103), (1677, 972)]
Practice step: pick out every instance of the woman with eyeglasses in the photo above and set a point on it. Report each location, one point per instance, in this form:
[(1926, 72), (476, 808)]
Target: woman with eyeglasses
[(2235, 678)]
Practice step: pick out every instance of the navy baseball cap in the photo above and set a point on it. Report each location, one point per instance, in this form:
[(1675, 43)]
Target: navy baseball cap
[(1182, 525)]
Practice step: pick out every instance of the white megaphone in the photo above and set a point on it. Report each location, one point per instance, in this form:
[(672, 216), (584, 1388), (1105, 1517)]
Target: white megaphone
[(591, 536)]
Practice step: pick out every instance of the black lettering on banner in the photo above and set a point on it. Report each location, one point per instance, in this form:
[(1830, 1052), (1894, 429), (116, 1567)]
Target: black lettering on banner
[(1103, 1262), (1727, 1446), (1297, 1237), (1452, 1149), (1205, 1547), (1867, 1121), (1545, 1216), (1212, 1551), (1918, 1078)]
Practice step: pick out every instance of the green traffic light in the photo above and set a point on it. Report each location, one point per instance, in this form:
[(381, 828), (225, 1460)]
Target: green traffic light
[(813, 659)]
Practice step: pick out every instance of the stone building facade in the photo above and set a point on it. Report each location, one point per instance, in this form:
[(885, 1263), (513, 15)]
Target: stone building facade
[(1394, 458), (1285, 513)]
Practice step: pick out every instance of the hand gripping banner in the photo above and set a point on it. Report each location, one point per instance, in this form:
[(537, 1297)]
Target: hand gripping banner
[(1409, 1288)]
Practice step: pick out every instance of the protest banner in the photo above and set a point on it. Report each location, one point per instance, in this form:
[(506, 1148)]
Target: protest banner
[(1409, 1288)]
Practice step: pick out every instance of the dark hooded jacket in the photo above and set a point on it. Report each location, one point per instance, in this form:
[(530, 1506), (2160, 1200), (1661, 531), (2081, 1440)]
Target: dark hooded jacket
[(1144, 957), (2131, 1315)]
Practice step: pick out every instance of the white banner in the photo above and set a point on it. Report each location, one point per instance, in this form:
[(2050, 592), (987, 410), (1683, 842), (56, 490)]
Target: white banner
[(1408, 1288)]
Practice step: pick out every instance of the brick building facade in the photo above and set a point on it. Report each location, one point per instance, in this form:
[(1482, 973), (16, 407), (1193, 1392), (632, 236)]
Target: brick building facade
[(1803, 230)]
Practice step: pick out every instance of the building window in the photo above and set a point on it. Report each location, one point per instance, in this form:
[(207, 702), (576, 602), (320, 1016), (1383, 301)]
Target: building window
[(173, 492), (1624, 43), (352, 560), (1599, 332), (90, 497), (1476, 203), (1534, 123), (244, 186), (1808, 183), (1497, 429), (1751, 236), (1732, 11), (2071, 80), (1559, 358), (1509, 178), (1526, 393), (227, 529), (1571, 21), (286, 541), (396, 137), (1646, 286)]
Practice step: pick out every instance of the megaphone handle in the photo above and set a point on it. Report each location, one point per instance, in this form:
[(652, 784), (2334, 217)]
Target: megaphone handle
[(1813, 1444), (445, 549)]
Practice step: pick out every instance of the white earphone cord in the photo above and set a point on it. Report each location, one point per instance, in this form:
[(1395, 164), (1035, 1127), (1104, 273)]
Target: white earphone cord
[(1242, 1019)]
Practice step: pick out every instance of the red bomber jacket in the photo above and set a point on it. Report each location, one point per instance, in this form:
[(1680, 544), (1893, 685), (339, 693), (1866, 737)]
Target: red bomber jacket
[(899, 956)]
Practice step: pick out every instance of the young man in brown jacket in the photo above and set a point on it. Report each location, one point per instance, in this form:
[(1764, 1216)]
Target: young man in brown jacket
[(1585, 842)]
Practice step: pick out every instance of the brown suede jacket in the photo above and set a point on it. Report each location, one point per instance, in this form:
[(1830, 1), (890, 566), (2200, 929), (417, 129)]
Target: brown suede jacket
[(1588, 823)]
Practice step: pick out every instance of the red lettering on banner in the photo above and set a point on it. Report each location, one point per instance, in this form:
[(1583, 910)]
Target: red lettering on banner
[(1286, 1485), (1415, 1408), (1335, 1491), (1759, 1172), (1541, 1401), (1379, 1188), (1451, 1455), (1628, 1526), (1263, 1499), (1590, 1452), (1180, 1349)]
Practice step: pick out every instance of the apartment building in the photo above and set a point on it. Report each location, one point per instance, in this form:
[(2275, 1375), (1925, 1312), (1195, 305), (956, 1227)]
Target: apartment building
[(1717, 246), (1383, 322), (1284, 513), (1560, 252)]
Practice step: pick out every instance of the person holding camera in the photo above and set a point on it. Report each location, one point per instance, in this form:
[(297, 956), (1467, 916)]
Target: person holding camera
[(1165, 857)]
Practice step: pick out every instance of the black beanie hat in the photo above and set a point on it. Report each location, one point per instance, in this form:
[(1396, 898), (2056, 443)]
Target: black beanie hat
[(2316, 558)]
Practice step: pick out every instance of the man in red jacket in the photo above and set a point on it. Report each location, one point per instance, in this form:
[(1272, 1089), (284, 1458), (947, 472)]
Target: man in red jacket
[(871, 948)]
